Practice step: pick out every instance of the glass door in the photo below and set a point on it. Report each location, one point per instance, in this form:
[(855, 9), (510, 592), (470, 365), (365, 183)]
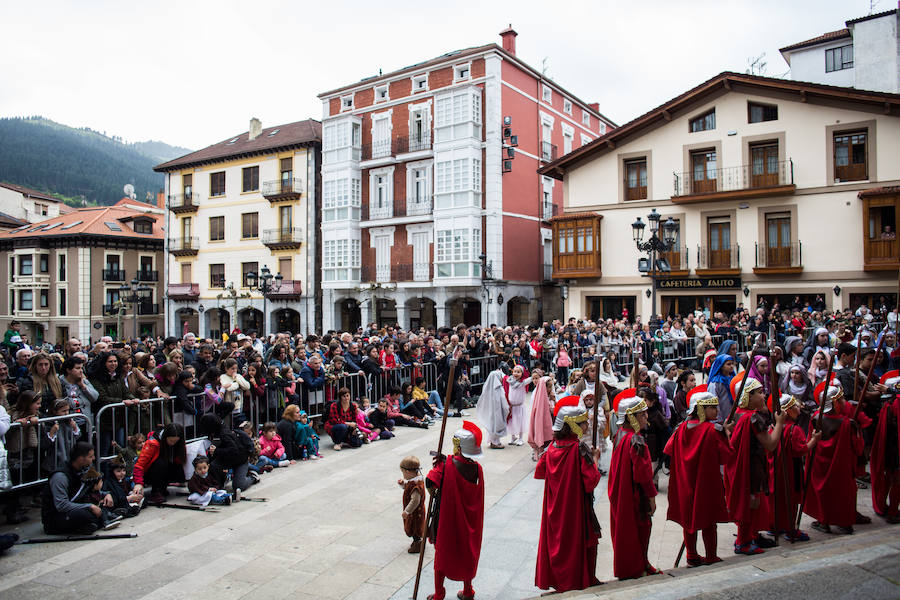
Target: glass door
[(778, 240), (703, 171), (764, 165), (719, 244)]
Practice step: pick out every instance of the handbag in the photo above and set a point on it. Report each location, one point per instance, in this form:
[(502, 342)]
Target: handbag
[(5, 479)]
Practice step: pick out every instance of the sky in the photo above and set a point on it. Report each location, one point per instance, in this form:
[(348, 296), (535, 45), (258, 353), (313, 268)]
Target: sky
[(192, 73)]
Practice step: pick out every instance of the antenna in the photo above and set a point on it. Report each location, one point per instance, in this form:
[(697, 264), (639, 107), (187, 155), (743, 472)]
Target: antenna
[(129, 191), (545, 66), (756, 65)]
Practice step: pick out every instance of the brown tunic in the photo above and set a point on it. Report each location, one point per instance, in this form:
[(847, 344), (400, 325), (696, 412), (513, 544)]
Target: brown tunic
[(414, 523)]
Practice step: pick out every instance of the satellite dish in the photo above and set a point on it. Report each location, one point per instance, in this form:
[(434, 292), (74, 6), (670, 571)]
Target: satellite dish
[(129, 191)]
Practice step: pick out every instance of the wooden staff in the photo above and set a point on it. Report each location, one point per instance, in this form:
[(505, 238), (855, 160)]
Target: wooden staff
[(597, 384), (776, 405), (736, 399), (878, 352), (429, 514)]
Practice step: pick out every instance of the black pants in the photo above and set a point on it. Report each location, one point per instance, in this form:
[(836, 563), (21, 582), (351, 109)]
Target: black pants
[(81, 520), (341, 434), (161, 473), (414, 410)]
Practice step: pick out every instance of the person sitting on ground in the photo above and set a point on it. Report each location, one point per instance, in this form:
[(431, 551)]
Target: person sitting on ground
[(271, 449), (59, 514), (230, 450), (364, 426), (203, 487), (306, 437), (419, 409), (433, 398), (91, 491), (286, 430), (394, 412), (340, 422), (380, 420), (161, 462), (126, 503)]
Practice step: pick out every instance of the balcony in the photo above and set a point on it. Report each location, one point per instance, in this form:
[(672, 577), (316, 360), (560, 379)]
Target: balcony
[(418, 206), (380, 149), (735, 183), (144, 275), (284, 238), (548, 211), (282, 189), (576, 246), (548, 152), (113, 275), (421, 272), (183, 203), (678, 261), (110, 309), (290, 288), (881, 250), (414, 143), (185, 246), (184, 291), (147, 308), (779, 260), (719, 261)]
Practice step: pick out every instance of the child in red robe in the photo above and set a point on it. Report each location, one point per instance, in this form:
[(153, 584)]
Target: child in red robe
[(632, 495), (567, 548), (885, 458), (831, 495), (747, 470), (696, 493), (458, 482), (786, 471)]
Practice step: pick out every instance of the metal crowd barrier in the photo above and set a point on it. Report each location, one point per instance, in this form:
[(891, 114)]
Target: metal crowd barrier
[(479, 368), (115, 422), (32, 465)]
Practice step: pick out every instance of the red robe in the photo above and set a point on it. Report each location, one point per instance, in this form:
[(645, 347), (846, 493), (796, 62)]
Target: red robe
[(630, 488), (696, 493), (746, 471), (786, 482), (885, 467), (567, 547), (460, 520), (831, 497)]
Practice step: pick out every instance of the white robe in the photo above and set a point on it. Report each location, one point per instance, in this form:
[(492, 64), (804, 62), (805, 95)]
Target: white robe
[(492, 407), (517, 397)]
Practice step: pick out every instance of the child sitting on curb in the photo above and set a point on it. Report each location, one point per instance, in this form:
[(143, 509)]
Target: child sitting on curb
[(306, 437), (203, 488), (272, 451)]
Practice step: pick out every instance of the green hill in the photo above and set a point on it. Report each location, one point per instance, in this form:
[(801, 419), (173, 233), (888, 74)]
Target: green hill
[(54, 158)]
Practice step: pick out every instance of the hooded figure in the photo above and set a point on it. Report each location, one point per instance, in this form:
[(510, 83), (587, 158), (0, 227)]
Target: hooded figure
[(719, 383), (793, 349), (493, 408), (540, 427), (814, 343)]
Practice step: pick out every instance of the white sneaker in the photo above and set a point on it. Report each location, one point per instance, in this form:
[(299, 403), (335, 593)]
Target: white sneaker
[(284, 463), (314, 457), (237, 494)]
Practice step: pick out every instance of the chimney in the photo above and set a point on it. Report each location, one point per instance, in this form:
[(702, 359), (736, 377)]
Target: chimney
[(595, 106), (255, 128), (508, 36), (161, 200)]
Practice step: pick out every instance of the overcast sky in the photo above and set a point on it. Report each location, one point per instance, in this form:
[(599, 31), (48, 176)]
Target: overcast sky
[(193, 73)]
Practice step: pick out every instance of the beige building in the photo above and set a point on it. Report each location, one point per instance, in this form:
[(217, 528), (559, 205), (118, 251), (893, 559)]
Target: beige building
[(246, 203), (64, 274), (777, 189)]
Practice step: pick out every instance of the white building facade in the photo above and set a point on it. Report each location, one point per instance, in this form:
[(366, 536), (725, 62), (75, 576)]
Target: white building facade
[(26, 204)]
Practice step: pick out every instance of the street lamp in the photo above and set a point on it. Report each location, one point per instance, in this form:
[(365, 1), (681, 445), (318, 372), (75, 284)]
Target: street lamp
[(132, 294), (652, 265), (266, 284)]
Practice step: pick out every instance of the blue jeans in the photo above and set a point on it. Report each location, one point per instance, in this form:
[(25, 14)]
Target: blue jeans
[(265, 460), (435, 399)]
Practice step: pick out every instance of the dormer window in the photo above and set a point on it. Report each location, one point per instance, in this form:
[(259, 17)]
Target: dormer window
[(381, 93), (461, 72), (143, 226), (420, 83), (347, 102)]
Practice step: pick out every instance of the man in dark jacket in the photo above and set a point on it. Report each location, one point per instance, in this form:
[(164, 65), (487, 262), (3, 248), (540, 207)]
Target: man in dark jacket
[(59, 514), (229, 450), (352, 358), (313, 376), (204, 360)]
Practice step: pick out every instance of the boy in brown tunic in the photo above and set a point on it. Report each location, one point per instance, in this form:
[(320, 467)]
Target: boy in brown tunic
[(413, 485)]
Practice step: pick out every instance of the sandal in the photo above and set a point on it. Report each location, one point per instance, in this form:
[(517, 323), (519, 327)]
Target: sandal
[(338, 447)]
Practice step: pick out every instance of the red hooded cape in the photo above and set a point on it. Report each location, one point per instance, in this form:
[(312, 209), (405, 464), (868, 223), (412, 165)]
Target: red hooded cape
[(567, 547), (786, 484), (461, 520), (630, 485), (882, 472), (696, 493), (831, 497), (737, 473)]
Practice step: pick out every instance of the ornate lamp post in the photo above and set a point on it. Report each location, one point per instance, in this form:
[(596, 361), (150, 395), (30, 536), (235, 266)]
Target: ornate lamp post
[(266, 284), (132, 294), (652, 265)]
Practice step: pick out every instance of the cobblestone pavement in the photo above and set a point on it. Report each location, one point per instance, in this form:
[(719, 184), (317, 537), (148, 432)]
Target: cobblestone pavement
[(332, 529)]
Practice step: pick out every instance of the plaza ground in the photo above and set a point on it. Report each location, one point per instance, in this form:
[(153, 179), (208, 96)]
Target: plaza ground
[(332, 529)]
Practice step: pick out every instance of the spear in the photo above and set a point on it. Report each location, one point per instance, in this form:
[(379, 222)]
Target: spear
[(875, 360), (776, 404), (597, 388), (78, 538), (430, 513), (740, 392)]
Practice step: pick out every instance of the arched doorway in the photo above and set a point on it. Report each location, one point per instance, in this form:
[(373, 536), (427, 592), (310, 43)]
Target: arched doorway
[(286, 320), (464, 310), (349, 316), (188, 320), (218, 321), (250, 319), (518, 311), (385, 312), (422, 313)]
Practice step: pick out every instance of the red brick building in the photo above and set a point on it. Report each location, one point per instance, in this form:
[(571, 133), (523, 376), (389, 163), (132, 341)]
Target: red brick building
[(433, 212)]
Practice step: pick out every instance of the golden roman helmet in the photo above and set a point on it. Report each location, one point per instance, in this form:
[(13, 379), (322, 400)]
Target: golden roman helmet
[(569, 411), (698, 396), (752, 384), (788, 401), (627, 405)]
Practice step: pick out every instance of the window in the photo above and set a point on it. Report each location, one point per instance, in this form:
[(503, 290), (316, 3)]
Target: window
[(764, 169), (285, 218), (576, 246), (12, 268), (285, 268), (187, 185), (186, 273), (217, 184), (546, 94), (457, 115), (341, 141), (719, 243), (461, 72), (757, 113), (420, 83), (45, 298), (146, 264), (347, 102), (585, 119), (142, 226), (455, 177), (340, 259), (26, 300), (585, 140), (216, 229), (418, 189), (44, 263), (61, 294), (250, 225), (838, 59), (40, 209), (246, 268), (186, 229), (778, 240), (61, 262), (850, 156), (419, 132), (546, 198), (704, 122), (381, 198), (381, 93), (568, 138), (341, 199), (636, 179), (287, 171), (249, 179), (704, 174), (456, 252), (26, 265), (567, 107), (381, 135), (217, 276)]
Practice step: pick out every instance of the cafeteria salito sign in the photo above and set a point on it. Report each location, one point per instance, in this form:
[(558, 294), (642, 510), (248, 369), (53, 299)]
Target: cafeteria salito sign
[(699, 283)]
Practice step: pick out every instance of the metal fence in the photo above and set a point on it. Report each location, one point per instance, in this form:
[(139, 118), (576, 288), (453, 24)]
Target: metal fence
[(33, 451)]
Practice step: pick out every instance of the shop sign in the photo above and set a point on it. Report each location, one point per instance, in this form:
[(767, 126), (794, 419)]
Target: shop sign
[(699, 283)]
